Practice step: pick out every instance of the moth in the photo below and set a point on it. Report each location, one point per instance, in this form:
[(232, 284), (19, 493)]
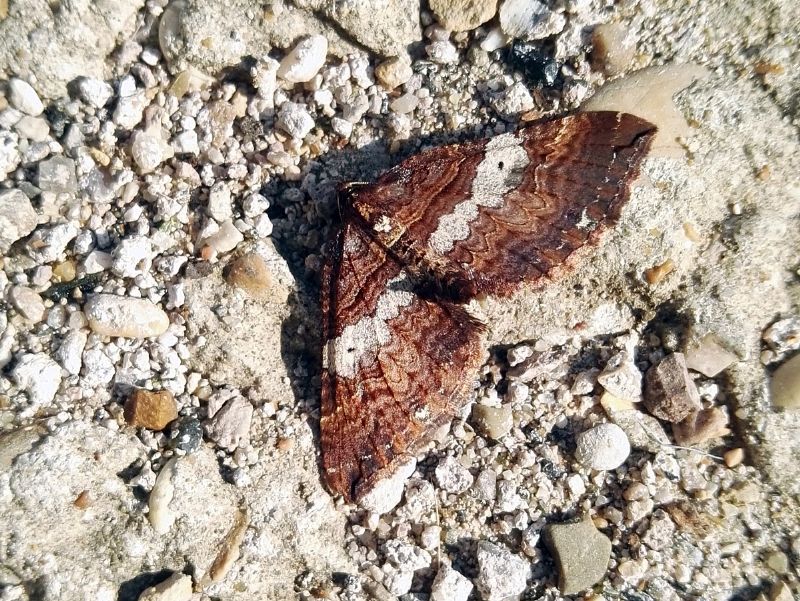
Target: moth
[(445, 226)]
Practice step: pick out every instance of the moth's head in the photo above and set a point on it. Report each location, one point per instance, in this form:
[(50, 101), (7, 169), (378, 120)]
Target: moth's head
[(374, 214)]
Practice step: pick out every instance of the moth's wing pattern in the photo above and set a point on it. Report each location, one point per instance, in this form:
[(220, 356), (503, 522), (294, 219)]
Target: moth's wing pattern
[(395, 366), (485, 217)]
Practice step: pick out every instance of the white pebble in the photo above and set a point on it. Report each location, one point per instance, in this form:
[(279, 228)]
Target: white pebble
[(224, 239), (443, 52), (149, 149), (529, 19), (341, 127), (450, 585), (23, 97), (254, 205), (295, 120), (604, 447), (28, 303), (98, 368), (94, 91), (405, 103), (386, 494), (17, 217), (39, 376), (132, 257), (9, 152), (186, 143), (452, 476), (219, 202), (305, 60), (112, 315), (70, 352)]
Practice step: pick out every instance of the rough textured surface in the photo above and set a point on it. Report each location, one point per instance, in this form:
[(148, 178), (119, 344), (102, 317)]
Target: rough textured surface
[(581, 552), (670, 392)]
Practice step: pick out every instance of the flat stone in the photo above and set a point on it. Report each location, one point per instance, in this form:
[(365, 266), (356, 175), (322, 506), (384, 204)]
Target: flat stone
[(23, 97), (153, 410), (57, 175), (149, 149), (250, 273), (17, 217), (604, 447), (581, 552), (709, 356), (670, 392), (502, 575), (643, 431), (785, 384), (47, 244), (463, 15), (494, 422), (125, 316), (700, 426), (219, 206), (35, 129)]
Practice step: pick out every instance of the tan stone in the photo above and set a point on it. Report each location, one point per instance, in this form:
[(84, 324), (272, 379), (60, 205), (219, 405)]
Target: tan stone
[(250, 273), (151, 410)]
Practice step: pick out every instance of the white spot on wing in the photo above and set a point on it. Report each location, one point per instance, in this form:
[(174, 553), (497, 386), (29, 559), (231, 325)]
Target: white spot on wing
[(361, 340), (500, 171)]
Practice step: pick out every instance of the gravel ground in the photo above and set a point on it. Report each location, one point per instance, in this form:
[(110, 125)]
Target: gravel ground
[(167, 184)]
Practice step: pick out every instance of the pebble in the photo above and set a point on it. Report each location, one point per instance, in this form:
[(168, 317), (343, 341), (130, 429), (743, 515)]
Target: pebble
[(230, 548), (295, 120), (225, 239), (39, 376), (613, 47), (452, 476), (404, 104), (130, 109), (28, 303), (450, 585), (701, 426), (125, 316), (187, 435), (443, 52), (661, 531), (17, 217), (9, 153), (35, 129), (502, 575), (305, 60), (186, 143), (780, 591), (160, 515), (394, 72), (670, 393), (98, 368), (529, 19), (132, 257), (405, 555), (229, 427), (463, 15), (604, 447), (254, 205), (48, 244), (783, 335), (178, 587), (734, 457), (250, 273), (581, 552), (388, 491), (494, 40), (23, 97), (622, 378), (341, 127), (219, 207), (513, 100), (94, 92), (70, 352), (709, 356), (57, 174), (785, 384), (149, 409), (149, 149), (493, 422)]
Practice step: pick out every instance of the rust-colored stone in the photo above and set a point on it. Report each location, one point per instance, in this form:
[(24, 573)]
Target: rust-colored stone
[(151, 410)]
